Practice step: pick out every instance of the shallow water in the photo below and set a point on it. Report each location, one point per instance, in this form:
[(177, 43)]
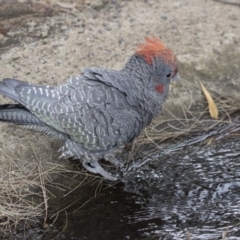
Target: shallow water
[(192, 192), (195, 190)]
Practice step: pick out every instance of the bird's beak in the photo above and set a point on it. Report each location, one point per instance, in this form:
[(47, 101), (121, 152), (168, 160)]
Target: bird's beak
[(174, 79)]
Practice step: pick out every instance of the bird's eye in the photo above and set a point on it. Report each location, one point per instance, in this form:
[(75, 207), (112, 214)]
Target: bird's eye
[(168, 75)]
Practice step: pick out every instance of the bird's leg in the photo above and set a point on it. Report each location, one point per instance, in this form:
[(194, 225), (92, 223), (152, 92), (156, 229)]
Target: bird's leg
[(90, 160), (95, 167), (113, 160), (111, 156)]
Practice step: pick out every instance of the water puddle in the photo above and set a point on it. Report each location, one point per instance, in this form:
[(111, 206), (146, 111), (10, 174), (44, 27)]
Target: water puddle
[(192, 192)]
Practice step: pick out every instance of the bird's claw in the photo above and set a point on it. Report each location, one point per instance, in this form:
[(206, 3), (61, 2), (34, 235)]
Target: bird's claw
[(95, 167)]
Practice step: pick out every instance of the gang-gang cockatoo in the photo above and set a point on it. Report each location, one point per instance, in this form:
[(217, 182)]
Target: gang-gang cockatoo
[(97, 112)]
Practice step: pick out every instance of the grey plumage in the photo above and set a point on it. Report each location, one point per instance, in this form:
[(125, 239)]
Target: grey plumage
[(17, 114), (96, 113)]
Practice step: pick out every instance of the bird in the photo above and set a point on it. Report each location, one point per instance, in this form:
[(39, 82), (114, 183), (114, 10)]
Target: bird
[(99, 111)]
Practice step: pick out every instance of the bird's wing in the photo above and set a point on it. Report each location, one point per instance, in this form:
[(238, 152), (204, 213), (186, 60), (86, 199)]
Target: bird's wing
[(38, 100), (91, 112), (95, 114)]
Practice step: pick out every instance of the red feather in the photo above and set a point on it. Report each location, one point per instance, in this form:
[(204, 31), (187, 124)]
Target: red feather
[(155, 47), (160, 88)]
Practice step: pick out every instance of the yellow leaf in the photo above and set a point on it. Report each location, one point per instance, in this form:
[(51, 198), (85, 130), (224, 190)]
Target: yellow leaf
[(213, 110)]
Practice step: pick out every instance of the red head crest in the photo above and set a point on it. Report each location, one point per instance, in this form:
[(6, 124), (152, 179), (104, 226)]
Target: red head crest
[(154, 47)]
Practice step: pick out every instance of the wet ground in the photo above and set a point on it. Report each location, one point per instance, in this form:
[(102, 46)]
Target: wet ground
[(189, 194)]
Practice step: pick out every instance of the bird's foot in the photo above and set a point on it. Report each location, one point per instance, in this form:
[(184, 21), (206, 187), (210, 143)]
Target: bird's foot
[(95, 167)]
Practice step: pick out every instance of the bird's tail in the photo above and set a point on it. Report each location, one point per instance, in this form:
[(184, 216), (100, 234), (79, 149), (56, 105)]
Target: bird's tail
[(8, 88), (17, 114)]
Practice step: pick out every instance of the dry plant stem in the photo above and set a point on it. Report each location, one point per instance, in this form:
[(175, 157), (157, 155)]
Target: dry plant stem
[(236, 2), (98, 188), (80, 184), (224, 235), (84, 204), (65, 226), (42, 184), (188, 235)]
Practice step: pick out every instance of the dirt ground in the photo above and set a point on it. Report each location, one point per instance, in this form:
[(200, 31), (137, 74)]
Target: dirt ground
[(45, 42)]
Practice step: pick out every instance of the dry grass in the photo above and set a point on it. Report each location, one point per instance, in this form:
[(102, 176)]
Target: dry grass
[(25, 194)]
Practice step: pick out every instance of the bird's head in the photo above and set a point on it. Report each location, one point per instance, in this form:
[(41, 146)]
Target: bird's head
[(162, 62)]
